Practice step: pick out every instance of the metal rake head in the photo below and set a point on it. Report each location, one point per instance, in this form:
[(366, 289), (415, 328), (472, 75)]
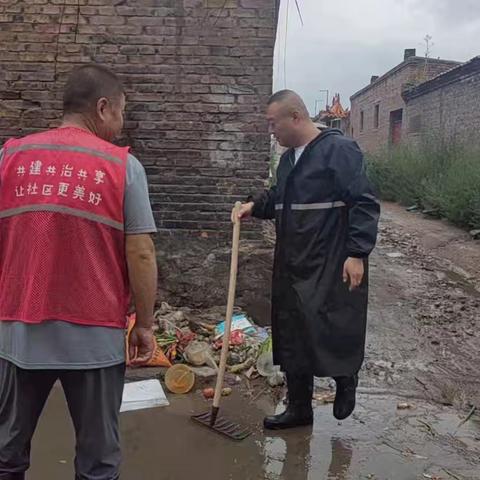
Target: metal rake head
[(221, 425)]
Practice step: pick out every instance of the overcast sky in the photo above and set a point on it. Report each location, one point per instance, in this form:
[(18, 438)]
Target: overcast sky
[(342, 43)]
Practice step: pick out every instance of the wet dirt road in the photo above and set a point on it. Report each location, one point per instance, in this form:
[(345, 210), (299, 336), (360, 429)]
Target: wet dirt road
[(378, 442), (422, 349)]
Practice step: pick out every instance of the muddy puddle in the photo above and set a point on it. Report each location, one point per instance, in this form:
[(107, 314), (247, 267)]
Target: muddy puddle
[(378, 442)]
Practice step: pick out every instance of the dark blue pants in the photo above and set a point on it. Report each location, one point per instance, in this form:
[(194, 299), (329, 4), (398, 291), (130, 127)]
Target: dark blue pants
[(94, 398)]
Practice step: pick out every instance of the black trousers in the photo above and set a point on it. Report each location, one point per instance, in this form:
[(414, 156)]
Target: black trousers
[(94, 398)]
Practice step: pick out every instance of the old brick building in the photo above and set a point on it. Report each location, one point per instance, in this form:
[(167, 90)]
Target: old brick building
[(446, 107), (378, 110), (198, 73)]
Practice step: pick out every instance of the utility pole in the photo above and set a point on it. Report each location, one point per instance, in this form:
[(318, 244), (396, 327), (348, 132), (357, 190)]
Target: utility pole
[(325, 91), (318, 101)]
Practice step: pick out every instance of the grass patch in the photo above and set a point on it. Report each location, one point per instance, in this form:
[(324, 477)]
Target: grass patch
[(443, 178)]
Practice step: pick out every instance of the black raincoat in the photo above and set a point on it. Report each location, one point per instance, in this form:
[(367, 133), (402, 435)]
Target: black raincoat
[(325, 212)]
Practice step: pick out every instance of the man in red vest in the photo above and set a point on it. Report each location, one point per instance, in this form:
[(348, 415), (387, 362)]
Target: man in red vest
[(75, 241)]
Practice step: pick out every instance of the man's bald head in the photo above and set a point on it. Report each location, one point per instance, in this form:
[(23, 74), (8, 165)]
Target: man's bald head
[(291, 102), (86, 85), (94, 99), (289, 120)]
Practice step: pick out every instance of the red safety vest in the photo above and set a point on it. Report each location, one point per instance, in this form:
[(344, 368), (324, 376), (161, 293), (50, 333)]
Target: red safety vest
[(62, 242)]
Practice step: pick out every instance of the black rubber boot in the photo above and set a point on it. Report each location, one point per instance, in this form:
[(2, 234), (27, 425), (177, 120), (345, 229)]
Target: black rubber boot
[(12, 476), (345, 397), (299, 410)]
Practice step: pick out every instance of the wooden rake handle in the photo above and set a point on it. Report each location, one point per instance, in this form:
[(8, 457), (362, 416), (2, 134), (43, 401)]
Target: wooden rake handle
[(230, 304)]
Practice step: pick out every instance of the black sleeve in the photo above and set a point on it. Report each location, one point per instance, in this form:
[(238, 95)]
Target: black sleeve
[(357, 192), (264, 204)]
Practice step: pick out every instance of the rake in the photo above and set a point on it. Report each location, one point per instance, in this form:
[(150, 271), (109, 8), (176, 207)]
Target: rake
[(211, 419)]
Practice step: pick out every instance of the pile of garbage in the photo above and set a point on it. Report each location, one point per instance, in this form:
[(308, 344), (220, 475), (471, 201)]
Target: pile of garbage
[(195, 339)]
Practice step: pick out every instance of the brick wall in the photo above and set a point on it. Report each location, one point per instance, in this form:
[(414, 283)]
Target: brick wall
[(197, 72), (386, 92), (446, 107)]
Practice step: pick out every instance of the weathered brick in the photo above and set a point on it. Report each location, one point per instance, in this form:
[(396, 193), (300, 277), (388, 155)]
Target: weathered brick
[(88, 10), (14, 8), (254, 21), (219, 3), (106, 20), (197, 77), (53, 10), (124, 29), (35, 37), (84, 30), (250, 3), (109, 11), (110, 49), (58, 2), (268, 33), (159, 30)]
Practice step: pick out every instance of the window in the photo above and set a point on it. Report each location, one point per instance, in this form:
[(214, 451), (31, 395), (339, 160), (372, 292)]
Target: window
[(361, 121), (415, 124), (396, 120), (376, 116)]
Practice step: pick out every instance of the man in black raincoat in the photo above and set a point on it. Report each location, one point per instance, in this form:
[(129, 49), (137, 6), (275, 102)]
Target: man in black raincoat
[(326, 223)]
